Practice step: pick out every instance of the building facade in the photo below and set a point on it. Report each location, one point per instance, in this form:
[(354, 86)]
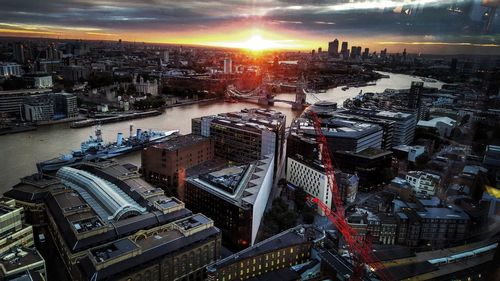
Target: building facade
[(235, 197), (244, 136), (289, 248), (164, 163), (403, 130), (106, 223), (10, 69), (422, 183), (18, 254), (311, 177)]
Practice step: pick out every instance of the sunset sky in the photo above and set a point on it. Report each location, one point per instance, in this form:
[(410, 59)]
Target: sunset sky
[(426, 26)]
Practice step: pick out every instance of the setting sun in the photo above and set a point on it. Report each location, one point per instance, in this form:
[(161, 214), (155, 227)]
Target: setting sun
[(255, 40), (256, 43)]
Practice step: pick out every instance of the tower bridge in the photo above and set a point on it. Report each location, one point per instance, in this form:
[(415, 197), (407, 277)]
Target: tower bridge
[(263, 96)]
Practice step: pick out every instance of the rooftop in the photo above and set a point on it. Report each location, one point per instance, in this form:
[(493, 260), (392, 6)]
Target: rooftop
[(83, 211), (255, 119), (181, 142), (293, 236), (19, 257), (239, 185), (333, 127), (443, 213), (393, 115), (108, 260)]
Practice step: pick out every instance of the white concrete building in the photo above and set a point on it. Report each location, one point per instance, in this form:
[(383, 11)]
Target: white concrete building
[(444, 125), (313, 180), (422, 183), (10, 69)]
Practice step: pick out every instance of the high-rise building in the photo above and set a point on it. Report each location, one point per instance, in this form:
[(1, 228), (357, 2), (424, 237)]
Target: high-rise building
[(403, 129), (235, 197), (320, 50), (228, 66), (415, 98), (17, 246), (108, 224), (345, 50), (18, 51), (333, 48), (366, 53), (341, 134), (244, 136)]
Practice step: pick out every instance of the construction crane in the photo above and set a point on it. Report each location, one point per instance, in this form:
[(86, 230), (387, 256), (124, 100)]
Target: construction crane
[(360, 247)]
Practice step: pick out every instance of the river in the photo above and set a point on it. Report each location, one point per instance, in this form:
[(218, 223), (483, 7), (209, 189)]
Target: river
[(20, 152)]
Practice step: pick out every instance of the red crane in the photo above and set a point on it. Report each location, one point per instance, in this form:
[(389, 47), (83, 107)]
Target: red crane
[(360, 247)]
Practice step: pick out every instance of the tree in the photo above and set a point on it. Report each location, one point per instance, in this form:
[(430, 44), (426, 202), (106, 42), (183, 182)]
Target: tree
[(14, 83), (464, 120)]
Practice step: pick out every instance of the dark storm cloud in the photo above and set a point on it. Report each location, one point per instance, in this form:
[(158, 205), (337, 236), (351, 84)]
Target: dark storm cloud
[(320, 17)]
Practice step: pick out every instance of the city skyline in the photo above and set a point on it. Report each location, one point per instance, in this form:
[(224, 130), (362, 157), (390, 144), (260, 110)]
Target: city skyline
[(457, 27)]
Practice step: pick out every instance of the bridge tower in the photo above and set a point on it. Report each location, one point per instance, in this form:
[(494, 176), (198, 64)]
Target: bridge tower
[(300, 94), (265, 97)]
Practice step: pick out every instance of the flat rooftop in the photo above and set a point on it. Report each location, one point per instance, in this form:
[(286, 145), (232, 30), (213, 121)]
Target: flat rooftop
[(181, 142), (23, 257), (443, 213), (155, 243), (238, 185), (256, 119)]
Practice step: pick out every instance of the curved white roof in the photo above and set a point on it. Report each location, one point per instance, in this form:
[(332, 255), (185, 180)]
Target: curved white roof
[(109, 201)]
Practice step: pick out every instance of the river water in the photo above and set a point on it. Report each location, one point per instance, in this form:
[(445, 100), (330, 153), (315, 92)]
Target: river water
[(19, 153)]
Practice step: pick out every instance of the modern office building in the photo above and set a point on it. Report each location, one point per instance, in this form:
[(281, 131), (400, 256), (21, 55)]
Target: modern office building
[(344, 50), (415, 98), (39, 108), (65, 105), (10, 69), (403, 129), (235, 197), (271, 259), (18, 255), (423, 184), (11, 102), (386, 125), (311, 177), (108, 224), (244, 136), (333, 48), (373, 166), (163, 163), (341, 134)]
